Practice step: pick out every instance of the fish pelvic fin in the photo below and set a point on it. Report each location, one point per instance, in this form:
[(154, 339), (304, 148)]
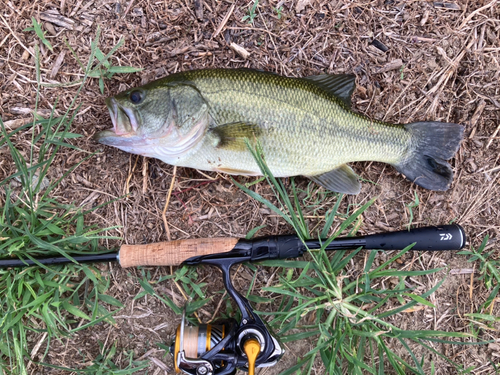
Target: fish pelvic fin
[(341, 180), (232, 136), (435, 143)]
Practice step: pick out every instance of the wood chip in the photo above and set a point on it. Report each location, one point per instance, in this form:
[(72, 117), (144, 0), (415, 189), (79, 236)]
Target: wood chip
[(57, 64), (414, 309), (198, 9), (17, 123), (180, 51), (450, 6), (77, 6), (160, 364), (50, 28), (478, 112), (393, 65), (417, 39), (90, 199), (425, 17), (461, 271), (28, 111), (301, 4), (54, 17), (494, 346), (239, 50)]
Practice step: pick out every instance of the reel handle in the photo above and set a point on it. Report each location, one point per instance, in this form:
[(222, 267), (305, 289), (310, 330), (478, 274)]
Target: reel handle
[(172, 253)]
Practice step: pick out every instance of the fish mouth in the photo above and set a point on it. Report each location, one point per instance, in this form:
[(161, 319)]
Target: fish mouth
[(124, 123)]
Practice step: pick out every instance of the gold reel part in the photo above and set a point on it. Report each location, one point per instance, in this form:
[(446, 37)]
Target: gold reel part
[(197, 340), (251, 347)]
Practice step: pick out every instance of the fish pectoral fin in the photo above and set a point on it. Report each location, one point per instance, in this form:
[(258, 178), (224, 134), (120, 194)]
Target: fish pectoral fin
[(341, 179), (239, 172), (340, 85), (232, 136)]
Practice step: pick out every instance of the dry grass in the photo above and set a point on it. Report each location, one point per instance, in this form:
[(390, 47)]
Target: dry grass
[(442, 62)]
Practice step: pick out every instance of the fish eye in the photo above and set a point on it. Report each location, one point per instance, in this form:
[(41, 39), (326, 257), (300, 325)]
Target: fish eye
[(136, 97)]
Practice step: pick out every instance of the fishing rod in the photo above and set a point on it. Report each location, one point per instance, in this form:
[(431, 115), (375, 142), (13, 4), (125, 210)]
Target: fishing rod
[(225, 346), (174, 253)]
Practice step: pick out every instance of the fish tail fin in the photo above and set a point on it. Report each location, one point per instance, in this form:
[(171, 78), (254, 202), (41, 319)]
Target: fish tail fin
[(433, 144)]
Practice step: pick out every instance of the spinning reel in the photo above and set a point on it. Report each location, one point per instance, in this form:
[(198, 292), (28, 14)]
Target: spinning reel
[(225, 346)]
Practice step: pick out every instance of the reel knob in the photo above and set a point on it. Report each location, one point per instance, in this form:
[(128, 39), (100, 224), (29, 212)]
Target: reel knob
[(251, 347)]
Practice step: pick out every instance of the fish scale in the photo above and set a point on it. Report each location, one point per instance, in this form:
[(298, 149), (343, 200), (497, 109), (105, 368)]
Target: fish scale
[(305, 127)]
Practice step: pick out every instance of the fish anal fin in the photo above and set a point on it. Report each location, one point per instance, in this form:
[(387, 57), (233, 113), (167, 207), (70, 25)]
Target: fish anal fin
[(232, 136), (340, 85), (342, 180)]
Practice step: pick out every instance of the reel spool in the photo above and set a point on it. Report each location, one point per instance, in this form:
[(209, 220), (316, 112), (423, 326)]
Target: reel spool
[(219, 349), (198, 340)]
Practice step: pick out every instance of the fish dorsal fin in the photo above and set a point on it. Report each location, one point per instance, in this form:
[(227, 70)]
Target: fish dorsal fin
[(340, 85), (341, 179), (232, 136)]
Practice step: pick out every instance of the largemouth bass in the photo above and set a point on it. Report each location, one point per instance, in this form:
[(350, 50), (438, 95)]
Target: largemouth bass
[(200, 119)]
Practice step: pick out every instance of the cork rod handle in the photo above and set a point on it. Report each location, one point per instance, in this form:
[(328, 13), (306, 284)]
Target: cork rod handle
[(172, 253)]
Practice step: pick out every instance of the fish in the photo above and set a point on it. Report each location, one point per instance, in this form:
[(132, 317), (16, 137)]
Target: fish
[(205, 119)]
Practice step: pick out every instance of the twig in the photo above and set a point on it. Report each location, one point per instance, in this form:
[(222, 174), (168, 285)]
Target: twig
[(471, 289), (214, 315), (478, 112), (127, 187), (469, 17), (144, 175), (169, 194), (128, 8), (15, 36), (224, 20), (493, 136)]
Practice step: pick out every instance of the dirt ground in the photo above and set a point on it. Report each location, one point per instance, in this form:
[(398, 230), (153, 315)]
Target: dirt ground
[(413, 61)]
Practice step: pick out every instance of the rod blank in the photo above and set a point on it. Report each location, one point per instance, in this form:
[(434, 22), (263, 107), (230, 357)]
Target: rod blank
[(108, 257), (444, 237)]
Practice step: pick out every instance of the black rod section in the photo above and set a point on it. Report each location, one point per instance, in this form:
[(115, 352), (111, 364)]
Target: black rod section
[(445, 237), (108, 257)]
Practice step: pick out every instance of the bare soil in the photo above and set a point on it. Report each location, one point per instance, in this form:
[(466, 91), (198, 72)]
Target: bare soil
[(413, 61)]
